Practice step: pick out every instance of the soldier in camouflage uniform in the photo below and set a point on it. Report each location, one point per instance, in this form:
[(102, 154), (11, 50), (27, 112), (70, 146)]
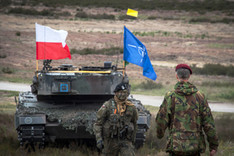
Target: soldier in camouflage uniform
[(116, 124), (187, 115)]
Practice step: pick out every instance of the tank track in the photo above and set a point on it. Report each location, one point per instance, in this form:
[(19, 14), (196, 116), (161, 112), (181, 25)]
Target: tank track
[(31, 135), (140, 138), (143, 122)]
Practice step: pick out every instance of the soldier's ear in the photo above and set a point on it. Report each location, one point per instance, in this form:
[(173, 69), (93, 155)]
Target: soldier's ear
[(177, 77)]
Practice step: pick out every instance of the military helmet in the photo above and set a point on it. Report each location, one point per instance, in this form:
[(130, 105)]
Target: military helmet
[(121, 86)]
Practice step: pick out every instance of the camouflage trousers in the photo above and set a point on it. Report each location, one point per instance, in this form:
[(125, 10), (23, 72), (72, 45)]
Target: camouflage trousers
[(116, 147)]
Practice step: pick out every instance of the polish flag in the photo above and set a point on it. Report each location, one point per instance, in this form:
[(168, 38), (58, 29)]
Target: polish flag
[(50, 43)]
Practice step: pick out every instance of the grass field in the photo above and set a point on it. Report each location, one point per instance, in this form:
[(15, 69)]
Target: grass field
[(213, 89), (195, 32), (9, 145)]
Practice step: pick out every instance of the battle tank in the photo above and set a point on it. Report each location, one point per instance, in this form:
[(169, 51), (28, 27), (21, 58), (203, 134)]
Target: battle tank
[(63, 102)]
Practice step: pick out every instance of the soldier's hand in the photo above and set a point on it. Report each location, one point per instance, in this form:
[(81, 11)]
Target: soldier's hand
[(100, 144), (212, 152)]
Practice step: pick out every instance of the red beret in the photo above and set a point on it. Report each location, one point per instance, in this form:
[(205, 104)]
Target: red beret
[(184, 66)]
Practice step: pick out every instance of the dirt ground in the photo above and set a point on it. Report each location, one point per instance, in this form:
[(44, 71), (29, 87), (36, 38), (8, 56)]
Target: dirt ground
[(165, 51)]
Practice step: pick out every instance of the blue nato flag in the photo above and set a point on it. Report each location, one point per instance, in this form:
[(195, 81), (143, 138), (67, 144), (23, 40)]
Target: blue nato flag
[(136, 53)]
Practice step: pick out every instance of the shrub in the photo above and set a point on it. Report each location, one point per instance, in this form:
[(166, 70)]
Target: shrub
[(104, 51), (214, 69), (152, 17), (4, 3), (201, 19), (30, 12), (3, 56), (126, 17), (7, 70), (102, 16), (217, 84), (205, 19), (82, 14), (223, 126), (65, 13), (229, 96), (147, 85), (17, 33)]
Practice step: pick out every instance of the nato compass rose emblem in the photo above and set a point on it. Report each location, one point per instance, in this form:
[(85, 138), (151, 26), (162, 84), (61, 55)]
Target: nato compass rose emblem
[(141, 51)]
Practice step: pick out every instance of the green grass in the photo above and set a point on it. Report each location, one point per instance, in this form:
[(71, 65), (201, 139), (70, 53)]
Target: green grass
[(153, 110), (149, 88), (147, 85), (16, 75), (218, 91), (223, 127), (221, 46), (7, 104), (7, 108), (214, 90), (171, 34), (4, 93), (16, 79), (153, 146)]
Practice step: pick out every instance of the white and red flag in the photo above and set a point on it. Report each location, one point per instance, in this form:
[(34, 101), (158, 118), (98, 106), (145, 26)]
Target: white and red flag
[(50, 43)]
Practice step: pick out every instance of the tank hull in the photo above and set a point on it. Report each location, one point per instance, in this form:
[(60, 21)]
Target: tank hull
[(48, 121)]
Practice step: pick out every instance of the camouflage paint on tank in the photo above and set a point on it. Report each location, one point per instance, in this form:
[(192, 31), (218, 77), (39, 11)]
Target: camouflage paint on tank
[(64, 101)]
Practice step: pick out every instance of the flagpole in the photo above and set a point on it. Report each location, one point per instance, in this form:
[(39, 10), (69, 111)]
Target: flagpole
[(37, 67), (124, 68)]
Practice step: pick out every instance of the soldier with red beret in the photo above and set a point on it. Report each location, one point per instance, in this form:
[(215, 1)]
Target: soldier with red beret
[(187, 115)]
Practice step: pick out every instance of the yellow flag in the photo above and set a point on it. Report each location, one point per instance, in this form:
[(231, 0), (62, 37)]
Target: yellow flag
[(133, 13)]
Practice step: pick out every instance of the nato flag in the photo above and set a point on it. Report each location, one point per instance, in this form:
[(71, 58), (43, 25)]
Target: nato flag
[(136, 53)]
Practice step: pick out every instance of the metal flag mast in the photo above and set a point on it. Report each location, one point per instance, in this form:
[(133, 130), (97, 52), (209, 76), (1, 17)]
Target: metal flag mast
[(133, 13), (124, 67), (37, 62)]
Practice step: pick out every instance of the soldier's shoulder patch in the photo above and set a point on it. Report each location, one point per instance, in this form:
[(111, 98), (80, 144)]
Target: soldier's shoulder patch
[(103, 106)]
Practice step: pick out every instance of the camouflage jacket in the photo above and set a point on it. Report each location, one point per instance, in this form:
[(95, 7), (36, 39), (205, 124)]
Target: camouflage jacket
[(186, 113), (110, 124)]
